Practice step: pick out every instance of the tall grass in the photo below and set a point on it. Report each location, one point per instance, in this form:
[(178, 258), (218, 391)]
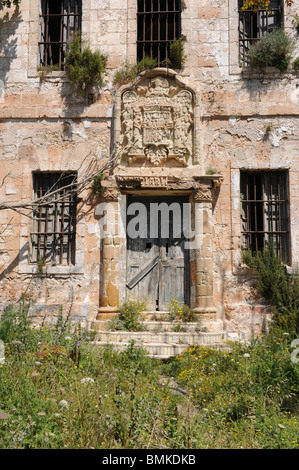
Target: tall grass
[(53, 397)]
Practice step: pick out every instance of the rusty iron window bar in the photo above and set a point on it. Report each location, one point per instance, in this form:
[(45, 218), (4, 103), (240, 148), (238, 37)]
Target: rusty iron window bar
[(253, 25), (158, 24), (59, 22), (53, 232), (265, 211)]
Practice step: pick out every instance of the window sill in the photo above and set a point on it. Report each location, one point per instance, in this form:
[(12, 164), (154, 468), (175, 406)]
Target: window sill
[(52, 270), (55, 75), (253, 72)]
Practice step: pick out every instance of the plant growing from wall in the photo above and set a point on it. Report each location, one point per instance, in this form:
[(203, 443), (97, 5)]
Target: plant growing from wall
[(41, 264), (44, 70), (128, 71), (177, 57), (280, 289), (257, 4), (8, 3), (84, 68), (274, 49), (96, 187), (296, 63), (211, 171)]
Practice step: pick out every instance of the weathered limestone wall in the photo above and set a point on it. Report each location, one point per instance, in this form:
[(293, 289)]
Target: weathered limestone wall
[(43, 127)]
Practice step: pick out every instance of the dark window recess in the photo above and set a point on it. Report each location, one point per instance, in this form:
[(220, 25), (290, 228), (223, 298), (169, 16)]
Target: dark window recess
[(158, 24), (59, 22), (265, 211), (253, 26), (54, 225)]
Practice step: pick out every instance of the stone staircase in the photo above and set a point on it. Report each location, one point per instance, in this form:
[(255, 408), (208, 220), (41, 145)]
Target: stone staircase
[(159, 338)]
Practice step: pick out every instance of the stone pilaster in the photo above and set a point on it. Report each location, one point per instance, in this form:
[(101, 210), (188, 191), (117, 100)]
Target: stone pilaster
[(204, 305), (110, 256)]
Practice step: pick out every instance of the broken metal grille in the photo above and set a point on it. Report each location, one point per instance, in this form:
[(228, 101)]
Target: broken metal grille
[(60, 21), (264, 211), (158, 24), (54, 224), (253, 25)]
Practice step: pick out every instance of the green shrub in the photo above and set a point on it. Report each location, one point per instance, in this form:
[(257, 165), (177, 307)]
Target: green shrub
[(129, 70), (178, 311), (177, 58), (273, 49), (84, 68), (279, 289), (211, 171), (96, 187), (129, 315), (296, 63)]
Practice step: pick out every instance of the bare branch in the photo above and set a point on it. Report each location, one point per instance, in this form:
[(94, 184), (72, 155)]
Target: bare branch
[(77, 186)]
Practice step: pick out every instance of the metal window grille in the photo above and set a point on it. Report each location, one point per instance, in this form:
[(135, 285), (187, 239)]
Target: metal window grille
[(265, 211), (158, 24), (253, 25), (54, 221), (59, 22)]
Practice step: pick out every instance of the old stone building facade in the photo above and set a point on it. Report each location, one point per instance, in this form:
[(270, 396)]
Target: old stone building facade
[(215, 136)]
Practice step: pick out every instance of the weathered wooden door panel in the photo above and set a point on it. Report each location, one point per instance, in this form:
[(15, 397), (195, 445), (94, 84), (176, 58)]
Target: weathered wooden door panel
[(158, 268)]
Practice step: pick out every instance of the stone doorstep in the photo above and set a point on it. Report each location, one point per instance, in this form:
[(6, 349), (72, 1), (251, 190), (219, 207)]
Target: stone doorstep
[(159, 350), (156, 350), (165, 326), (169, 337)]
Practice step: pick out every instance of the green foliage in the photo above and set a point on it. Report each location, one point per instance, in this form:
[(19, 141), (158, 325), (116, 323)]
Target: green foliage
[(273, 49), (296, 63), (41, 263), (129, 316), (50, 68), (130, 70), (84, 68), (211, 171), (177, 57), (279, 289), (178, 311), (245, 397), (96, 187), (245, 388), (8, 3)]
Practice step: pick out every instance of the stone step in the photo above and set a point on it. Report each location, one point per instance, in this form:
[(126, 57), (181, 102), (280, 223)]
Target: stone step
[(166, 337), (159, 326), (155, 350)]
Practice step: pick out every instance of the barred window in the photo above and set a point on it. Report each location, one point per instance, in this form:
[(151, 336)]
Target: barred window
[(158, 24), (265, 211), (54, 225), (60, 20), (253, 25)]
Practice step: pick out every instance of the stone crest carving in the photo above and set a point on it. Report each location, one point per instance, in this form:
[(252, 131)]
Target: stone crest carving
[(156, 123)]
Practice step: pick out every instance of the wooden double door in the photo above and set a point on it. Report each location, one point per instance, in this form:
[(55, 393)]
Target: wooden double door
[(158, 268)]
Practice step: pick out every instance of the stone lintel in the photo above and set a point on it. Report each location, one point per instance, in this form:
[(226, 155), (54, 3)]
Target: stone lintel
[(204, 183)]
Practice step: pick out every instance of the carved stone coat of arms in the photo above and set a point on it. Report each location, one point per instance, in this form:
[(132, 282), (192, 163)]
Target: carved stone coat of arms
[(156, 123)]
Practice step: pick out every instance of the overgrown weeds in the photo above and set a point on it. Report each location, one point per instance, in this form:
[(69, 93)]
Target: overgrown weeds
[(129, 316), (244, 397), (278, 287)]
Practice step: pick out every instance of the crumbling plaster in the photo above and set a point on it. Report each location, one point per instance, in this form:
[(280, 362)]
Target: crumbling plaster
[(43, 127)]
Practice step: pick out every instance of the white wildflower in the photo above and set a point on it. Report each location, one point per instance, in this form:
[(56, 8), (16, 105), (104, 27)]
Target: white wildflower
[(87, 380), (64, 404)]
